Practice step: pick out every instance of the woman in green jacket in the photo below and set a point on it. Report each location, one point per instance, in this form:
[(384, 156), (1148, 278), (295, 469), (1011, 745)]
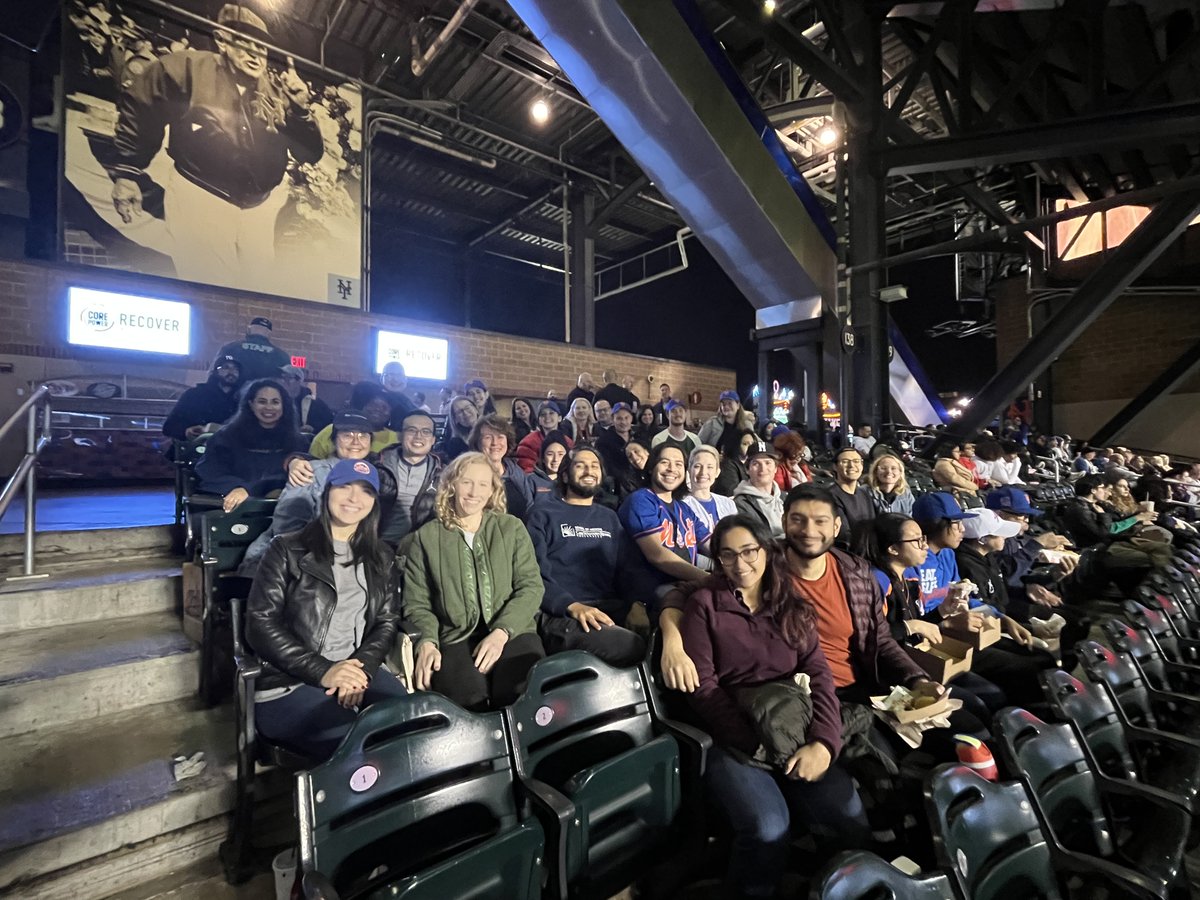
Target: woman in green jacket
[(471, 587)]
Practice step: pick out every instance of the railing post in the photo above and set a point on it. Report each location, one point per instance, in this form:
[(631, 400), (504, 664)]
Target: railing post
[(35, 440)]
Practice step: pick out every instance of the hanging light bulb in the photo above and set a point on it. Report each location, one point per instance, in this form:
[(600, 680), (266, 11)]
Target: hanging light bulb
[(828, 136), (539, 111)]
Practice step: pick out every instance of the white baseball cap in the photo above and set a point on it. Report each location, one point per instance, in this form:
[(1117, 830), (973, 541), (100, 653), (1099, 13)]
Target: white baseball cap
[(981, 523)]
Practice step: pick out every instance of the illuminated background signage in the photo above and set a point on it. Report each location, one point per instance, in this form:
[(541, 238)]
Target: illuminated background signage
[(123, 322), (423, 357)]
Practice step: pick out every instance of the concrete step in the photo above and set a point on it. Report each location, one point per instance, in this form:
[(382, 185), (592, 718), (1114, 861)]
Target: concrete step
[(32, 705), (92, 592), (55, 549), (92, 809)]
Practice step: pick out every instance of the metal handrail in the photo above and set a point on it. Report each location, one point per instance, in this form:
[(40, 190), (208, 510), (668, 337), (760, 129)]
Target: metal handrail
[(35, 441)]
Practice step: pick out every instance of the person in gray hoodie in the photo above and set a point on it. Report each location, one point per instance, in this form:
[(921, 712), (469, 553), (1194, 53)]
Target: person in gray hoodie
[(759, 496)]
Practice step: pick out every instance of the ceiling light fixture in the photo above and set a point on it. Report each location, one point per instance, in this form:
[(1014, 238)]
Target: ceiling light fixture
[(539, 111), (828, 136), (769, 6)]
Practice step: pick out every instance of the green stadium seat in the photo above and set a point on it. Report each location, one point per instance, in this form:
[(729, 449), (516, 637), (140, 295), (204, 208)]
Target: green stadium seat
[(861, 875), (1137, 638), (1166, 763), (418, 803), (988, 836), (224, 537), (587, 737), (1137, 700), (1102, 832)]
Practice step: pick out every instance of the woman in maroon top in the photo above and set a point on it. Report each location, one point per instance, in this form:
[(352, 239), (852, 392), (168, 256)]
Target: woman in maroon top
[(743, 628)]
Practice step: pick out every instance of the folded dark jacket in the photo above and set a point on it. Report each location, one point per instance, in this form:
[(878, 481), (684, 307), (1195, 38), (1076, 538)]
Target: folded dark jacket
[(780, 713)]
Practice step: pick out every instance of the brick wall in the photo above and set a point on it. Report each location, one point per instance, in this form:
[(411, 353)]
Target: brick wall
[(1119, 354), (337, 341)]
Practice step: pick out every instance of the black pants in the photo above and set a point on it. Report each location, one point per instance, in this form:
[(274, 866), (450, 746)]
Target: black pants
[(615, 645), (459, 680), (1014, 669)]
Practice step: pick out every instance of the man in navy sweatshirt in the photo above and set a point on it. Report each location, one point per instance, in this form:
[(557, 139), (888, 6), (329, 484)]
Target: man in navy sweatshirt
[(585, 557)]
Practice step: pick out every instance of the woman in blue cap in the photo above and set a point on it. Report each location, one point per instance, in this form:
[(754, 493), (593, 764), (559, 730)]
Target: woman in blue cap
[(322, 615)]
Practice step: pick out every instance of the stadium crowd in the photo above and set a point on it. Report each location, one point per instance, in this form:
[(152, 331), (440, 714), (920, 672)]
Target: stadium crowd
[(764, 557)]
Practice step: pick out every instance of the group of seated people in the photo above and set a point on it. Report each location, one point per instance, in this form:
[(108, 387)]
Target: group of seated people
[(505, 539)]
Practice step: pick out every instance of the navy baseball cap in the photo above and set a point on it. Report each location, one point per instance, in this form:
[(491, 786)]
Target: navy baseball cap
[(474, 383), (937, 505), (263, 321), (730, 395), (351, 420), (617, 407), (673, 404), (1011, 500), (348, 471)]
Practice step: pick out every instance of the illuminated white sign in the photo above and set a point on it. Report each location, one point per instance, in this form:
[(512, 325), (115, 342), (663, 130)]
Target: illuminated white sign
[(124, 322), (422, 357)]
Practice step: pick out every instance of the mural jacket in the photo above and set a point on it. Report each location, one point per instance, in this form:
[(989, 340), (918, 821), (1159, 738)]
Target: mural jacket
[(218, 140)]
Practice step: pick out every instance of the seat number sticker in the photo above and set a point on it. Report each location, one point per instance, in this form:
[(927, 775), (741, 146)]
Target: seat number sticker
[(544, 716), (364, 778)]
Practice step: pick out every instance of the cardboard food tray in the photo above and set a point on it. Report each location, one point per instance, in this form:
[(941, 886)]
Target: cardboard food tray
[(908, 716), (956, 627), (943, 661)]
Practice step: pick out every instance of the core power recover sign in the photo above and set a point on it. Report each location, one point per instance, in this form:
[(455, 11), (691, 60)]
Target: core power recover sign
[(124, 322)]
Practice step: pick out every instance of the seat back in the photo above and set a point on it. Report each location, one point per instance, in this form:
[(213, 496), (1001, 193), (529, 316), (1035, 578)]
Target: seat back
[(1137, 643), (586, 729), (1117, 670), (861, 875), (1156, 626), (988, 835), (1095, 717), (419, 786), (224, 536), (1054, 767)]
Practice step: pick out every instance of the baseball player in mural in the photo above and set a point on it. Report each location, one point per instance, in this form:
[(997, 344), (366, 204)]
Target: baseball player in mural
[(231, 123)]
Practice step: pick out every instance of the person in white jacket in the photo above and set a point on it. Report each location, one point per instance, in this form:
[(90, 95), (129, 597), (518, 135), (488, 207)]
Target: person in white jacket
[(759, 496)]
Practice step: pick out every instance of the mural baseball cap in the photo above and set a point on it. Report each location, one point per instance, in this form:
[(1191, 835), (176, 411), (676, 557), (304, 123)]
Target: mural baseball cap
[(984, 522), (937, 505), (348, 471), (263, 321), (730, 395), (239, 18), (1011, 500)]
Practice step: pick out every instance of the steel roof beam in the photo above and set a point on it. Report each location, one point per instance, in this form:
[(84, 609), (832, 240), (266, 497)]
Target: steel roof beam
[(1130, 128), (1157, 390), (1157, 231)]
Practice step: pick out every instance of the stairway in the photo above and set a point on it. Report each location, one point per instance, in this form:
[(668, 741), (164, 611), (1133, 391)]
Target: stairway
[(97, 694)]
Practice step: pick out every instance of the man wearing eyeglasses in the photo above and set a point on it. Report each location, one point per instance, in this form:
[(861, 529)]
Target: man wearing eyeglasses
[(413, 469), (853, 500)]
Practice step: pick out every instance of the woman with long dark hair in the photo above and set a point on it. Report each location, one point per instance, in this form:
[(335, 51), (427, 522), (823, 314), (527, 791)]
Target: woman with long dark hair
[(322, 615), (245, 457), (746, 628), (522, 418)]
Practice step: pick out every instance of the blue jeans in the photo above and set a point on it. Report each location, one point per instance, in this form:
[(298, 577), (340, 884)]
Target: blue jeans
[(762, 806), (312, 724)]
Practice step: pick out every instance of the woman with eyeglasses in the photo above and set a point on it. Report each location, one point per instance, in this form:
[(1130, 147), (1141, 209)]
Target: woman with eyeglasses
[(893, 544), (744, 628)]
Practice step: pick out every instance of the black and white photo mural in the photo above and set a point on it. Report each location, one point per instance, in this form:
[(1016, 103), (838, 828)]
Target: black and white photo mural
[(198, 148)]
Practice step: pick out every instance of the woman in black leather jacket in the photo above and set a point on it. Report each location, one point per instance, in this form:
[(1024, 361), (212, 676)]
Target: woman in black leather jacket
[(322, 615)]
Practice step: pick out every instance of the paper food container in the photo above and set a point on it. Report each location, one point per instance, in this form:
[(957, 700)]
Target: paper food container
[(956, 627), (943, 661), (907, 716)]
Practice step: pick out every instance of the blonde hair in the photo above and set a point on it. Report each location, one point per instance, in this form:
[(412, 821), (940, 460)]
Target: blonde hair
[(591, 416), (702, 450), (444, 500), (872, 481)]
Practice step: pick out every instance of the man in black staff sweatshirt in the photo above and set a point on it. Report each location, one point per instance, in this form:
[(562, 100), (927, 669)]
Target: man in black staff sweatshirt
[(585, 558)]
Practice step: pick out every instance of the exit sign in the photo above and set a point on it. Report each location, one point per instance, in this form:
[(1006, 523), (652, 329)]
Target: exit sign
[(300, 362)]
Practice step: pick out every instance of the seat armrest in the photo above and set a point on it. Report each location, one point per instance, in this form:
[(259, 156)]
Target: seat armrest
[(1139, 791), (316, 886), (1155, 736), (1094, 867), (556, 814), (695, 743)]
